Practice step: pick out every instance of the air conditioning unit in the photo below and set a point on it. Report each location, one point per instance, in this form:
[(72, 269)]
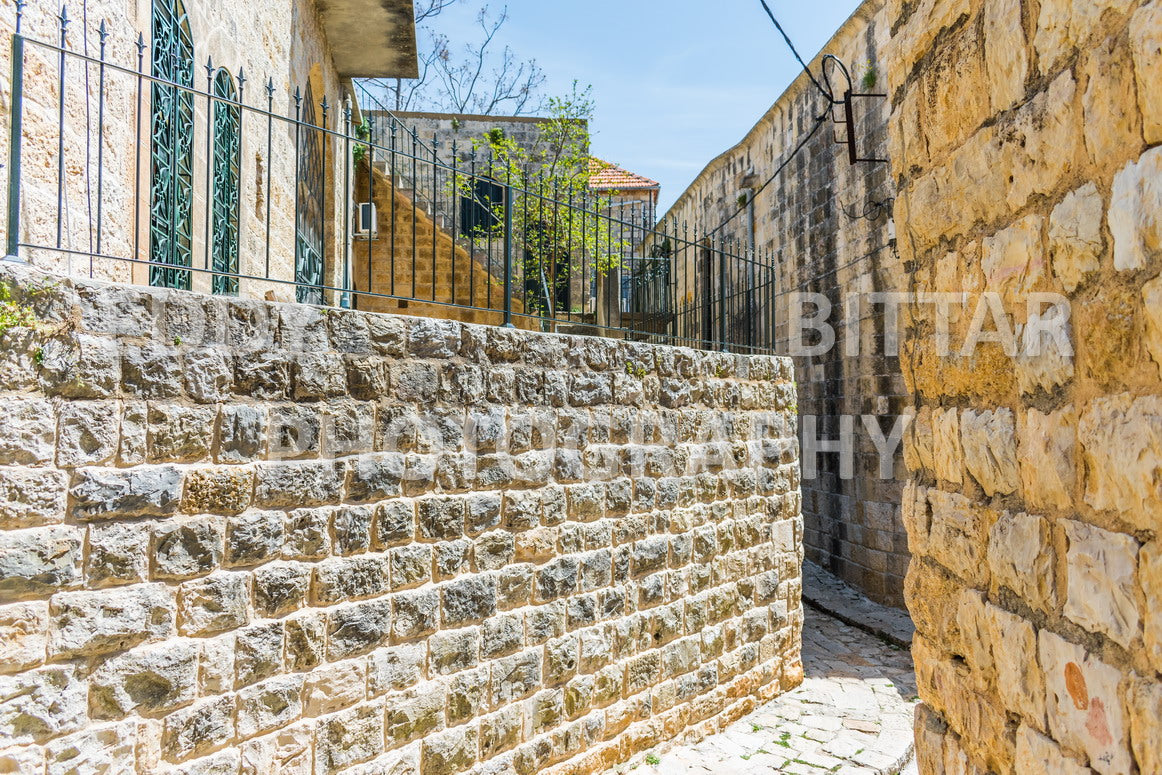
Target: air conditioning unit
[(366, 221)]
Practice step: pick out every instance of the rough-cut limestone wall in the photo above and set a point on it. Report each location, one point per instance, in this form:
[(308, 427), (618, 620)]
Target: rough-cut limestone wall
[(284, 42), (853, 526), (1025, 141), (230, 541)]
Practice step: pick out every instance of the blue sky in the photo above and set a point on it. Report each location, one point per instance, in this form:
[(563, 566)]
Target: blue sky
[(676, 81)]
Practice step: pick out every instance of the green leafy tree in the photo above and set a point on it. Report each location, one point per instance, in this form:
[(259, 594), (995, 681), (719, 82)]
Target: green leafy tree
[(562, 231)]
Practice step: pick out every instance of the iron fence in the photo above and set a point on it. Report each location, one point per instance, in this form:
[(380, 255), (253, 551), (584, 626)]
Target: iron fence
[(162, 172)]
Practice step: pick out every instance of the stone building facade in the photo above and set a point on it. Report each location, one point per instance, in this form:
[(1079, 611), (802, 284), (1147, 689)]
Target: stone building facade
[(826, 227), (1025, 144), (95, 161), (271, 539)]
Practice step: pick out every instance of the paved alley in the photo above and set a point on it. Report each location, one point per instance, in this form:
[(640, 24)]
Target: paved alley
[(851, 716)]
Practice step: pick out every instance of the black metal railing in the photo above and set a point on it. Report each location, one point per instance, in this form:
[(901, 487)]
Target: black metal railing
[(185, 177)]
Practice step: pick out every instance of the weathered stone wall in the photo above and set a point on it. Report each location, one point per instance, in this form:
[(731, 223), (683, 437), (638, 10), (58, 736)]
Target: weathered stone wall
[(827, 224), (245, 537), (1025, 144)]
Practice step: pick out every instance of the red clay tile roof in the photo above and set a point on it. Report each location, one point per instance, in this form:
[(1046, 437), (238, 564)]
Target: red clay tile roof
[(604, 176)]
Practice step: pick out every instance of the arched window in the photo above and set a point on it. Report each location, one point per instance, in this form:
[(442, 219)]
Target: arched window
[(309, 209), (171, 187), (227, 156)]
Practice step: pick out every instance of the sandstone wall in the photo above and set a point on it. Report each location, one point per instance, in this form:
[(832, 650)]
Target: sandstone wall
[(1025, 144), (244, 537), (827, 224)]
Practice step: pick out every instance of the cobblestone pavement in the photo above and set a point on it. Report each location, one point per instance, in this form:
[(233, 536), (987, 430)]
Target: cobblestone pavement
[(851, 716)]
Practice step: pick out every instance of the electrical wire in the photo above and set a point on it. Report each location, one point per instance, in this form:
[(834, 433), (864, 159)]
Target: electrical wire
[(819, 120), (825, 92)]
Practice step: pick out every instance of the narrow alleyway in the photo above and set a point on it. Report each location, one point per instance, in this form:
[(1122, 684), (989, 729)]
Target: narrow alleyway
[(851, 716)]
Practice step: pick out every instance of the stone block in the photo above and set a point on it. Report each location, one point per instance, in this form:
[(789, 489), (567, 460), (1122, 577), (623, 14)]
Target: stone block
[(990, 449), (104, 749), (83, 367), (449, 752), (42, 704), (947, 450), (98, 622), (226, 490), (1005, 55), (1150, 578), (1135, 212), (306, 640), (415, 714), (281, 587), (1084, 706), (1021, 557), (410, 566), (451, 558), (469, 600), (341, 579), (1019, 678), (1112, 124), (209, 375), (187, 547), (151, 371), (23, 635), (958, 538), (254, 538), (1121, 440), (40, 560), (357, 628), (1039, 755), (1146, 46), (467, 691), (334, 687), (1048, 470), (145, 491), (258, 653), (216, 603), (269, 705), (199, 729), (319, 375), (294, 485), (307, 534), (1144, 703), (1152, 311), (294, 432), (348, 738), (453, 650), (375, 477), (264, 376), (32, 497), (1075, 236), (396, 668), (242, 433), (87, 433), (1101, 568), (351, 527), (145, 681), (180, 434), (440, 518)]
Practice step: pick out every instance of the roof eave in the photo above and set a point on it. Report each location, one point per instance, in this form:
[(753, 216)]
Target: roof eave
[(371, 38)]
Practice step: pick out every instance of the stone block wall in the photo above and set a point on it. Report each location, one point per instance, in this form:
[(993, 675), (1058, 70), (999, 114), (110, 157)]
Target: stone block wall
[(1025, 145), (250, 538), (827, 226)]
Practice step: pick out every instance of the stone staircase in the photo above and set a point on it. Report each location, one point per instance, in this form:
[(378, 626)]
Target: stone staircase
[(414, 256)]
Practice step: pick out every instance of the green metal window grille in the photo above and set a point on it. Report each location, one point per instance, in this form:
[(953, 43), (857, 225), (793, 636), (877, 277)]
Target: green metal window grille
[(309, 209), (172, 146), (225, 206)]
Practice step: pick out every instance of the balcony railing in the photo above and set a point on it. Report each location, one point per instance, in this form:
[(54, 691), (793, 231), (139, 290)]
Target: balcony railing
[(156, 171)]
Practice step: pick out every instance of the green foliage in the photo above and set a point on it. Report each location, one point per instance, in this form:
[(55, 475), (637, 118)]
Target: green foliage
[(549, 184), (652, 760), (635, 370), (177, 341), (869, 78), (359, 150), (13, 314)]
